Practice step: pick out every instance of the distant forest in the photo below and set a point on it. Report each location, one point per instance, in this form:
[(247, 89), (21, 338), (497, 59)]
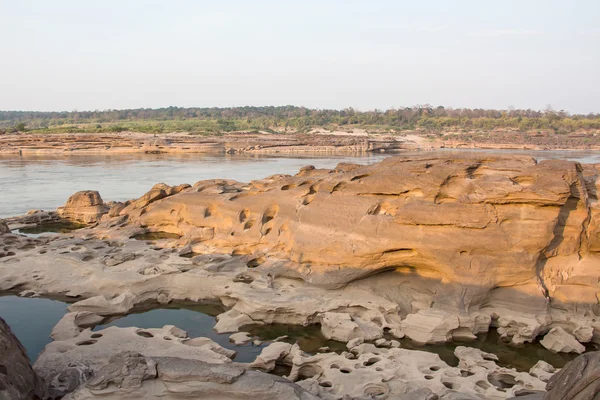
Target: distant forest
[(292, 119)]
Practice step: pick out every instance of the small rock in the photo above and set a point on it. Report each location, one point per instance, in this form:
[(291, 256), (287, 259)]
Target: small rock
[(354, 342), (257, 342), (394, 344), (280, 338), (324, 349), (240, 338)]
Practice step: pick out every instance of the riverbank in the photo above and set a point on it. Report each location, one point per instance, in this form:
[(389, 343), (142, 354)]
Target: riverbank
[(318, 141)]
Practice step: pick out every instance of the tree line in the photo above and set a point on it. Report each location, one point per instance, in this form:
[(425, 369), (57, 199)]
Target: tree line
[(292, 118)]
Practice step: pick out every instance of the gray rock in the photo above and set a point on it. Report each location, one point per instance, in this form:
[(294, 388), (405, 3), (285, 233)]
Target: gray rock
[(578, 380), (4, 228), (126, 370), (18, 381)]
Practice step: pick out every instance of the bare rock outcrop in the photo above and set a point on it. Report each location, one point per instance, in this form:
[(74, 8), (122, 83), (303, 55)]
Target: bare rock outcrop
[(134, 376), (370, 372), (18, 381), (71, 360), (4, 227), (85, 206), (501, 241), (578, 380)]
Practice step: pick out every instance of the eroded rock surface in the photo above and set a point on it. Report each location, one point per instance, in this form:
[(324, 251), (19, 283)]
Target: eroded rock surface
[(68, 362), (18, 381), (433, 248), (578, 380), (133, 376), (369, 372), (85, 206)]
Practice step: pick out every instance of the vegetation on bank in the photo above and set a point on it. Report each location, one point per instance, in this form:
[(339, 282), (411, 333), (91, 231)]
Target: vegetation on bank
[(291, 119)]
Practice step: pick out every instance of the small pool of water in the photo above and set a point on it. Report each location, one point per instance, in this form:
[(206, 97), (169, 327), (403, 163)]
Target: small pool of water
[(521, 358), (156, 236), (50, 227), (31, 320)]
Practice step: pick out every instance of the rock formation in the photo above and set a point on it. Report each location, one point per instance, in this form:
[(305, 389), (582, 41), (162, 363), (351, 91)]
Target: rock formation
[(372, 372), (433, 248), (85, 206), (18, 381), (458, 244), (134, 376), (559, 341), (4, 227), (578, 380)]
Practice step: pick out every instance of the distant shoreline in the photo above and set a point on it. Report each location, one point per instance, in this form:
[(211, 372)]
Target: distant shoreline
[(319, 142)]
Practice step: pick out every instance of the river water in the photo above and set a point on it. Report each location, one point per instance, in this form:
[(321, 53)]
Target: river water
[(28, 183), (46, 182)]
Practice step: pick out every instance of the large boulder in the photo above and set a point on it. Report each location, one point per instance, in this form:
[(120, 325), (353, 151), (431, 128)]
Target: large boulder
[(560, 341), (476, 238), (578, 380), (85, 206), (4, 227), (18, 381)]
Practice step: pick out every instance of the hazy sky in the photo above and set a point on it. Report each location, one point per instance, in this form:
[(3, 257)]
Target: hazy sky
[(86, 55)]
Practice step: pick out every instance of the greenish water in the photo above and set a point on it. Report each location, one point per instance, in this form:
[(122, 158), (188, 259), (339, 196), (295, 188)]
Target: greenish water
[(50, 227), (521, 358), (156, 236), (32, 319)]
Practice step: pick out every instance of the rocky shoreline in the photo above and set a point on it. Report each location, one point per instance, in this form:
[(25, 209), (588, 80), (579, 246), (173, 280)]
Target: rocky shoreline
[(233, 143), (432, 248), (318, 141)]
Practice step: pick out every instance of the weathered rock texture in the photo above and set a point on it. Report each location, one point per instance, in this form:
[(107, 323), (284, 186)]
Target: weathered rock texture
[(578, 380), (484, 240), (66, 363), (368, 372), (133, 376), (431, 248), (18, 381), (85, 206)]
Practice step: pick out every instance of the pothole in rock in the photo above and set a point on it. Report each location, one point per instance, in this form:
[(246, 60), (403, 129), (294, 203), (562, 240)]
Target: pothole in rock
[(156, 236), (50, 227)]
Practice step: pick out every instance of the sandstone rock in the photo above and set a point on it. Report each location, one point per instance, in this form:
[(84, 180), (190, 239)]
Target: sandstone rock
[(354, 342), (430, 326), (72, 323), (104, 306), (343, 327), (4, 227), (451, 228), (134, 376), (18, 381), (210, 345), (126, 370), (542, 370), (232, 321), (270, 355), (240, 338), (85, 206), (66, 363), (560, 341), (578, 380), (398, 373)]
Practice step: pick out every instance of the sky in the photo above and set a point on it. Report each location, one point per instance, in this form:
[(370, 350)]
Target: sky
[(65, 55)]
